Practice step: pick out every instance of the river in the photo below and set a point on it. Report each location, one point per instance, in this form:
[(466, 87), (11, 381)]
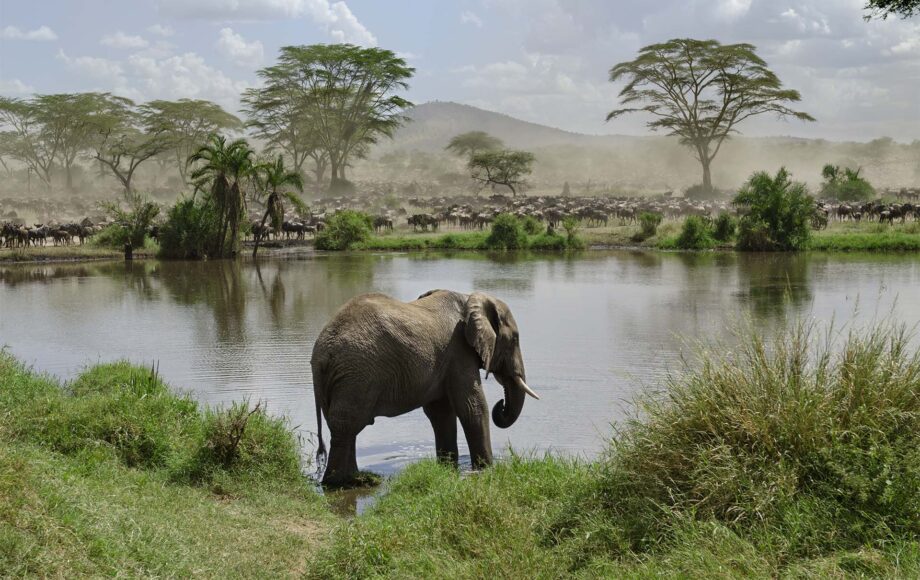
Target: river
[(596, 328)]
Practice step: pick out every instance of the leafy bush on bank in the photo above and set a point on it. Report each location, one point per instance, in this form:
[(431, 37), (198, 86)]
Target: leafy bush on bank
[(777, 213), (345, 230), (845, 184), (507, 233), (191, 231)]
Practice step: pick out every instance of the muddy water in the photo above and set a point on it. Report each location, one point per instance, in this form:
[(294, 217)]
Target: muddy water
[(595, 329)]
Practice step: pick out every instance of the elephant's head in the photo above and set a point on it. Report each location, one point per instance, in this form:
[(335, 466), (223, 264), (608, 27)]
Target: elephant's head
[(493, 333)]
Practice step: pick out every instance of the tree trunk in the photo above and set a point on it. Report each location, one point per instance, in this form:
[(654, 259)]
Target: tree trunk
[(69, 172), (258, 237), (707, 176)]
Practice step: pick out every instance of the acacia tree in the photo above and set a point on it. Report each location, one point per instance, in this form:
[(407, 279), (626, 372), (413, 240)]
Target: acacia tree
[(27, 138), (343, 93), (186, 125), (276, 116), (505, 167), (470, 143), (123, 137), (885, 8), (699, 91)]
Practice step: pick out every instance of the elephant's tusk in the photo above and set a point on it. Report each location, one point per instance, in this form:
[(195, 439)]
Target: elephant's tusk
[(527, 389)]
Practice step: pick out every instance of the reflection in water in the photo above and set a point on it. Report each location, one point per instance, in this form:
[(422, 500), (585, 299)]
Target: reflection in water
[(596, 327)]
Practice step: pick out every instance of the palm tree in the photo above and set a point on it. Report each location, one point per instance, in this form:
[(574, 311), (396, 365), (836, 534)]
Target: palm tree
[(224, 166), (271, 177)]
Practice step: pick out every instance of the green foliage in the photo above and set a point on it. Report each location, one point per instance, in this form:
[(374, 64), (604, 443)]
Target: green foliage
[(131, 226), (344, 230), (648, 224), (725, 227), (777, 213), (897, 8), (696, 234), (550, 241), (532, 225), (889, 241), (571, 226), (505, 167), (507, 233), (190, 230), (845, 184)]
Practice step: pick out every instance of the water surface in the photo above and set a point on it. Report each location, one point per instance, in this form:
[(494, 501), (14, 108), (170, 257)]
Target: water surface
[(596, 328)]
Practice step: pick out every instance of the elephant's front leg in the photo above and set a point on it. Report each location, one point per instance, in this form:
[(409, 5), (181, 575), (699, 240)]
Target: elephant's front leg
[(473, 411), (444, 422)]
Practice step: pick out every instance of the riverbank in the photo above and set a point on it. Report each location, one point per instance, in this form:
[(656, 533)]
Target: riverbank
[(770, 460), (838, 237), (113, 474)]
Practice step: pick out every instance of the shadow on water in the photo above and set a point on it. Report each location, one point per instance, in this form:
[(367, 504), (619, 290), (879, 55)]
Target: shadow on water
[(772, 285)]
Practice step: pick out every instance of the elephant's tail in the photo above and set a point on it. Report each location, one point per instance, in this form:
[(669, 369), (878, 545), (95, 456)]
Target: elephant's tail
[(318, 398)]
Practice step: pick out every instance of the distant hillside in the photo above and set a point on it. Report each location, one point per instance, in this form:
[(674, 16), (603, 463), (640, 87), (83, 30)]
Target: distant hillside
[(433, 124)]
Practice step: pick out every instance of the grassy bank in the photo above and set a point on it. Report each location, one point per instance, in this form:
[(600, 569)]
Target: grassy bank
[(460, 241), (777, 457), (113, 474), (778, 460), (889, 241)]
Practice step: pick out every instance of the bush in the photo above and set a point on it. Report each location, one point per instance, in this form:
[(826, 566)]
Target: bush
[(507, 234), (725, 227), (131, 226), (548, 241), (345, 229), (845, 184), (532, 226), (695, 234), (190, 232), (648, 223), (777, 214)]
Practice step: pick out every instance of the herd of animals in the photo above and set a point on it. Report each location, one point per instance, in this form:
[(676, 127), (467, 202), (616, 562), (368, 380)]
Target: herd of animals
[(457, 212)]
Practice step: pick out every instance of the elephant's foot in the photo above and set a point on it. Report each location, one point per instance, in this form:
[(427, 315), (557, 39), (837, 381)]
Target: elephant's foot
[(342, 464)]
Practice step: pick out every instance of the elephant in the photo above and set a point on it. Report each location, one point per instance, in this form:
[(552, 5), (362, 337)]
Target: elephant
[(379, 356)]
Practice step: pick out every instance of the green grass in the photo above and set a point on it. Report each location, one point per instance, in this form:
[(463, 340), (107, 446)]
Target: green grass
[(774, 458), (888, 241), (113, 474), (460, 241)]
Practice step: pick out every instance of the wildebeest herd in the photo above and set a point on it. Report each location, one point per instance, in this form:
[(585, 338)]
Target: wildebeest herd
[(466, 212)]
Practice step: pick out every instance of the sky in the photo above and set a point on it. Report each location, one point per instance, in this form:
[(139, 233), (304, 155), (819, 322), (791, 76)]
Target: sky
[(545, 61)]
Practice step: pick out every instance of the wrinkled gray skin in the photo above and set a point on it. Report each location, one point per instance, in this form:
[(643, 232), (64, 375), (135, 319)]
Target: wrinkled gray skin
[(381, 357)]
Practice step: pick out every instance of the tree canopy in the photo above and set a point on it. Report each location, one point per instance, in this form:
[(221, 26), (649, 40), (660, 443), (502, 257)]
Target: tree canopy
[(341, 95), (506, 167), (699, 91), (885, 8), (470, 143)]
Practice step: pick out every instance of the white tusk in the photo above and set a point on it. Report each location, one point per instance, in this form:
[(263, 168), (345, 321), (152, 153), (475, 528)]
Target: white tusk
[(527, 389)]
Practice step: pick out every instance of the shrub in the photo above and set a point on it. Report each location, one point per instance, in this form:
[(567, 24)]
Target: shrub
[(345, 229), (131, 225), (725, 227), (845, 184), (695, 234), (777, 214), (648, 223), (507, 233), (548, 241), (532, 226), (799, 450), (190, 232)]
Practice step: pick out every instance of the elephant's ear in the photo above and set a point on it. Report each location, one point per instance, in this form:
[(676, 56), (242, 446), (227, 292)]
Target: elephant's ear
[(481, 319)]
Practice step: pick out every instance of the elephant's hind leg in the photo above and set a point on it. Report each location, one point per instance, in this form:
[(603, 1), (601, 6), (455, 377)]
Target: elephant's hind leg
[(444, 422), (342, 464)]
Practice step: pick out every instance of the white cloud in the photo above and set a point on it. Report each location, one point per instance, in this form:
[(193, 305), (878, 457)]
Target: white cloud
[(336, 17), (235, 48), (122, 40), (183, 76), (160, 30), (92, 67), (469, 17), (15, 87), (40, 33)]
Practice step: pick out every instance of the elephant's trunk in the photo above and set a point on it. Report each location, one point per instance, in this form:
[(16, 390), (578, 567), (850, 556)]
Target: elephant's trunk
[(506, 411)]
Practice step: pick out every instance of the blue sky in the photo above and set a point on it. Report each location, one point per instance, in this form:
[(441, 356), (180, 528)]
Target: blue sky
[(541, 60)]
